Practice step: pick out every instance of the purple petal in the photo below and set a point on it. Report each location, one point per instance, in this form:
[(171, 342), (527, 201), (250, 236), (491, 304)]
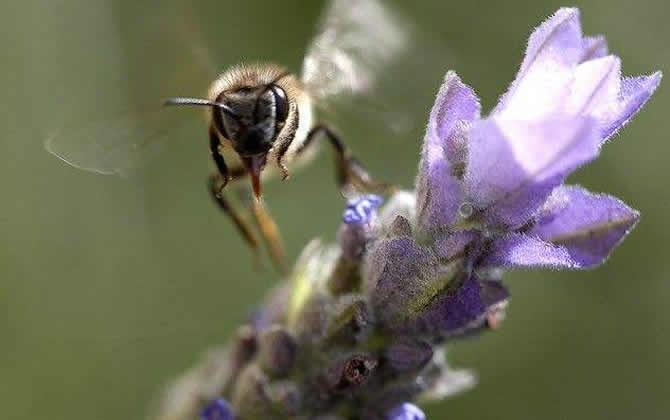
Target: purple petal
[(493, 292), (444, 152), (406, 354), (356, 229), (461, 309), (634, 93), (514, 165), (406, 411), (554, 48), (595, 88), (452, 244), (586, 225), (519, 250), (361, 209), (217, 409), (593, 47)]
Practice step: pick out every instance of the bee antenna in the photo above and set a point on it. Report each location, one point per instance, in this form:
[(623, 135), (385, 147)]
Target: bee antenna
[(201, 102)]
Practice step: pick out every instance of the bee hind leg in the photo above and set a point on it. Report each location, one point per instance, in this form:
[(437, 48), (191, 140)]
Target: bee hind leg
[(349, 172), (261, 216), (270, 233)]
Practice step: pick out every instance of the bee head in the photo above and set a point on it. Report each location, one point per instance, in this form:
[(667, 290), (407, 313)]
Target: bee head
[(249, 109), (251, 117)]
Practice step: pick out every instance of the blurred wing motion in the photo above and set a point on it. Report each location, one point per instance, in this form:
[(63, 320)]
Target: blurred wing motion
[(115, 146), (127, 140), (358, 65), (356, 40), (371, 65)]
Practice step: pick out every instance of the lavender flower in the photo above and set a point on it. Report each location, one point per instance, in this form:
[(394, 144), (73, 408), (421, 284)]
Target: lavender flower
[(406, 411), (360, 329), (360, 209), (218, 409), (490, 190), (502, 176)]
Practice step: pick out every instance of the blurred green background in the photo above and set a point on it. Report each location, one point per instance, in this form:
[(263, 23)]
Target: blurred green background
[(111, 286)]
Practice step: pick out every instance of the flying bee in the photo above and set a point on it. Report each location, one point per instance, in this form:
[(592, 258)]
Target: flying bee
[(262, 116)]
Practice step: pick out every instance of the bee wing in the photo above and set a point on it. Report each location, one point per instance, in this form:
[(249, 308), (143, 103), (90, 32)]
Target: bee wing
[(356, 39), (115, 146), (124, 140), (376, 64)]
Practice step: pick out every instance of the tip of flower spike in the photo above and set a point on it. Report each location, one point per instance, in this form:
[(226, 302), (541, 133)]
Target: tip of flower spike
[(217, 409), (406, 411), (360, 209)]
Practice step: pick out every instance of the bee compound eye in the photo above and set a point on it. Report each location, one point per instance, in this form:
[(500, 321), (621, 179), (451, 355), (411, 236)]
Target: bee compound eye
[(281, 103)]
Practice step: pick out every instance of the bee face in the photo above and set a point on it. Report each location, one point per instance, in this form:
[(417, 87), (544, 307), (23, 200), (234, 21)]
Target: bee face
[(254, 118), (259, 102)]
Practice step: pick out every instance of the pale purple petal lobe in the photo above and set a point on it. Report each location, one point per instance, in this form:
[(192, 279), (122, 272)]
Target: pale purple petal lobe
[(635, 92), (519, 250), (588, 226), (595, 88), (554, 48), (514, 165), (444, 152), (593, 47)]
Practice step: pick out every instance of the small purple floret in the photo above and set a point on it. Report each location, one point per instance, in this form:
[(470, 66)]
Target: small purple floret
[(360, 209), (406, 411), (217, 409)]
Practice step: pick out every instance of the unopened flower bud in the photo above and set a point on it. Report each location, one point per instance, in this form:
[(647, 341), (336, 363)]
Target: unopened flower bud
[(349, 373), (408, 354), (310, 325), (285, 396), (400, 227), (277, 351), (350, 320), (243, 348), (401, 203), (250, 397), (403, 278)]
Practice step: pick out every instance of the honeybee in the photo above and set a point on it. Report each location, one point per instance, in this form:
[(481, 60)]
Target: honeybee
[(262, 118)]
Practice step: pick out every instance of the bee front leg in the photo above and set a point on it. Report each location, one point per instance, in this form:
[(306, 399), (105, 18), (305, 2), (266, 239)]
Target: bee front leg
[(214, 145), (240, 222), (217, 182), (349, 171)]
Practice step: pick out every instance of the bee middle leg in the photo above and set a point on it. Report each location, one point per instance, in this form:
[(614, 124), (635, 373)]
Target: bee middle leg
[(349, 171)]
